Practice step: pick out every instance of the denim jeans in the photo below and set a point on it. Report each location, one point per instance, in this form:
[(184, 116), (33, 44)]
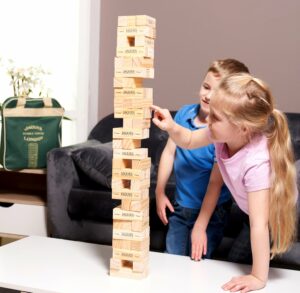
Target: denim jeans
[(181, 223), (240, 251)]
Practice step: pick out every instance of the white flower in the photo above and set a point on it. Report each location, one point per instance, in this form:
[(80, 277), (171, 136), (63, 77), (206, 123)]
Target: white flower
[(27, 80)]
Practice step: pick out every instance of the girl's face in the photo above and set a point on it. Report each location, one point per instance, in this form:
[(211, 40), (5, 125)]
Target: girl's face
[(222, 130), (210, 82)]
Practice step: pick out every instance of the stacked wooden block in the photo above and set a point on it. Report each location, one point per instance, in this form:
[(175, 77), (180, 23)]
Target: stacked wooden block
[(131, 164)]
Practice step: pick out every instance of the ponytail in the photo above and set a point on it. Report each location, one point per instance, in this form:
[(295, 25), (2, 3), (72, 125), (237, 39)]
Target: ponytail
[(282, 213), (248, 101)]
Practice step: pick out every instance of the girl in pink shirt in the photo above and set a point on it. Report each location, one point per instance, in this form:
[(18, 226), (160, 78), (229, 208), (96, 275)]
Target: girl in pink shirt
[(255, 159)]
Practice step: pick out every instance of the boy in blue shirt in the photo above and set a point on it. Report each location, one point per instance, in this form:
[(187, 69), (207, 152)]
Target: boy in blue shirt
[(202, 202)]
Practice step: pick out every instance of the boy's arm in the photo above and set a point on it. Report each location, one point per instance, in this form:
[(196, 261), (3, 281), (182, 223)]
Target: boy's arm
[(199, 238), (164, 171), (260, 244), (182, 136)]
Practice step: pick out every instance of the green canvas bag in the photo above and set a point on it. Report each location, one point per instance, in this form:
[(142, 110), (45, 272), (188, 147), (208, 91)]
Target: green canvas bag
[(30, 128)]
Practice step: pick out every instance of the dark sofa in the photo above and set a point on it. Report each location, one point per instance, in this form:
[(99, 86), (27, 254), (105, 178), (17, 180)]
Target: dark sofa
[(80, 208)]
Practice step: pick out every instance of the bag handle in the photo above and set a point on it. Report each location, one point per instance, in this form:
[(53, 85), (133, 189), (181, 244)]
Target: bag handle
[(21, 101)]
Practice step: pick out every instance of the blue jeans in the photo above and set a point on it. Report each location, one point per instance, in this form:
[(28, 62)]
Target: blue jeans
[(181, 223)]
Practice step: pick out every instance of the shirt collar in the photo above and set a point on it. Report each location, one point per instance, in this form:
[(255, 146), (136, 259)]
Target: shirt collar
[(191, 114)]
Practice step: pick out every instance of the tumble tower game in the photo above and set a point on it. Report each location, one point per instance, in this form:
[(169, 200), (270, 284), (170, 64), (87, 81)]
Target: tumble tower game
[(134, 62)]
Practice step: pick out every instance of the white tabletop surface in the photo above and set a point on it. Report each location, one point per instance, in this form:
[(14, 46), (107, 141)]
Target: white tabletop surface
[(40, 264)]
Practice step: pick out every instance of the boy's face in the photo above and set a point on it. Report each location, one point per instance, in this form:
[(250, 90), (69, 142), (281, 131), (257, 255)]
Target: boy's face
[(210, 82)]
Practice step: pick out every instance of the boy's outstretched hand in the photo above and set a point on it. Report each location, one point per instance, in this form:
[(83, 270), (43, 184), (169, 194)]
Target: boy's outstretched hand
[(244, 284), (162, 118)]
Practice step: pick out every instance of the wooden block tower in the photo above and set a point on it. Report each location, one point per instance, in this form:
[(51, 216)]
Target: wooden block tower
[(131, 164)]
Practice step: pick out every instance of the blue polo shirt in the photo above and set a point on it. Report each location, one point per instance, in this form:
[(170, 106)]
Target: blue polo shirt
[(192, 168)]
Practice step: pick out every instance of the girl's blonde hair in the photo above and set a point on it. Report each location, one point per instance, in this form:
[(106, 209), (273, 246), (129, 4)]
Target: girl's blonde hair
[(224, 67), (248, 102)]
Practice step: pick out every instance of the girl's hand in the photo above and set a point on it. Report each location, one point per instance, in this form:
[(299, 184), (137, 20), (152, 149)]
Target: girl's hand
[(244, 284), (199, 243), (162, 118)]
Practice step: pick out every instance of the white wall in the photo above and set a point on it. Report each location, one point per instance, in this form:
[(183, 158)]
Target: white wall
[(190, 34)]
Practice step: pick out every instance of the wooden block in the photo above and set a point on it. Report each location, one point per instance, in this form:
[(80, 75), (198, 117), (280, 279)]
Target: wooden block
[(136, 20), (146, 93), (136, 123), (127, 20), (127, 144), (133, 133), (142, 62), (139, 72), (141, 41), (131, 235), (122, 244), (134, 226), (141, 266), (132, 113), (140, 245), (132, 31), (119, 163), (135, 52), (145, 20), (121, 62), (131, 245), (120, 184), (139, 184), (132, 103), (117, 143), (115, 264), (136, 41), (130, 194), (119, 214), (120, 82), (131, 255), (138, 205), (133, 185), (134, 205), (136, 154), (141, 164), (126, 266), (130, 174), (128, 274)]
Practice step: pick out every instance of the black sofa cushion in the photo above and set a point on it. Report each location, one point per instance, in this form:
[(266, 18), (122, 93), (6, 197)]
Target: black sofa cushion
[(91, 204), (96, 162)]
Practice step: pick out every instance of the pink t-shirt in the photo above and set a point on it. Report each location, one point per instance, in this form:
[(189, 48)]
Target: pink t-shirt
[(246, 171)]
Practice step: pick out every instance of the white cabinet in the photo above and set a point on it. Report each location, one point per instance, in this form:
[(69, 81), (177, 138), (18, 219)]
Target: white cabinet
[(23, 203)]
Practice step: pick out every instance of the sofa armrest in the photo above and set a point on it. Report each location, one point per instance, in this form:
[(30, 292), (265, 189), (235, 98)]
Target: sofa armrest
[(62, 175)]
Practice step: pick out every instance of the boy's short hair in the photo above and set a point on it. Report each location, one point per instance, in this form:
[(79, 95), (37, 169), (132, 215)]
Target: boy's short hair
[(224, 67)]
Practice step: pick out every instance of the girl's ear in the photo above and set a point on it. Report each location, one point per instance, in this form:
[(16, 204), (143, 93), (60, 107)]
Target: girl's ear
[(244, 130)]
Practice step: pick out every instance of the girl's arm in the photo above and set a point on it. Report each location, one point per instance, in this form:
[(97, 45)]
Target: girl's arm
[(260, 244), (182, 136), (198, 237)]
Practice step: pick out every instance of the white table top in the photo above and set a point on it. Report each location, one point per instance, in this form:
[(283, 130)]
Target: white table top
[(40, 264)]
